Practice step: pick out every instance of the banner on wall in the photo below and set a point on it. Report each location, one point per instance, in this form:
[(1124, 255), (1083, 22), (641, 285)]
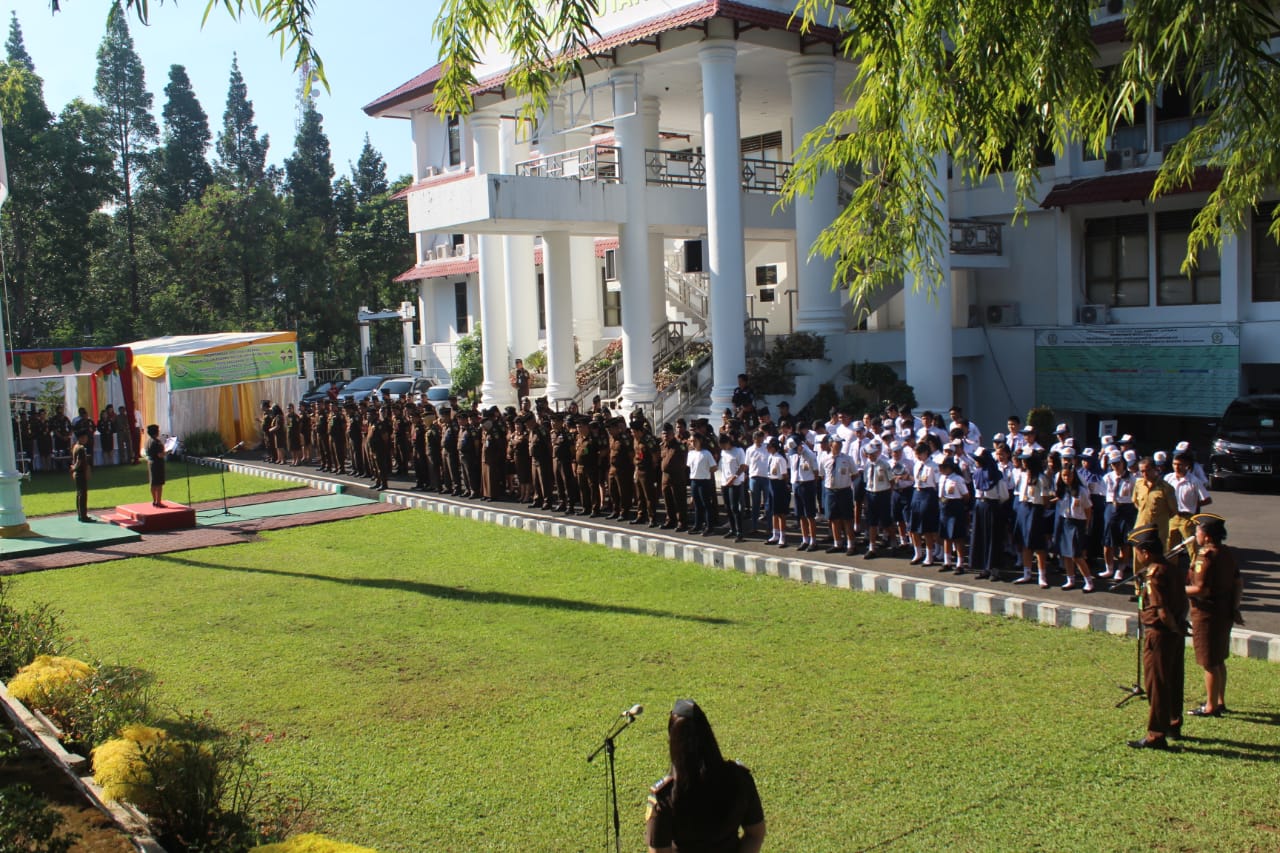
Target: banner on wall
[(248, 363), (1191, 371)]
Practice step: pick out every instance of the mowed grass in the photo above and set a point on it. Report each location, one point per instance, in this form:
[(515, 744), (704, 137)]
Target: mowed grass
[(52, 492), (440, 682)]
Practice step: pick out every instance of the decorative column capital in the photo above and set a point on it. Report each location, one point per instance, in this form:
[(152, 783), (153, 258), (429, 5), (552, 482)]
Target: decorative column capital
[(806, 65), (718, 51)]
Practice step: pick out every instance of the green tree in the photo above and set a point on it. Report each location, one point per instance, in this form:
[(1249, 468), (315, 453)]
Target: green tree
[(180, 172), (986, 81), (308, 181), (121, 87), (242, 154), (369, 175), (15, 48)]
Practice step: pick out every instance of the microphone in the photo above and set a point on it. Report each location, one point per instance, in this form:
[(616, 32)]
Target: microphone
[(237, 447), (633, 712), (1180, 547)]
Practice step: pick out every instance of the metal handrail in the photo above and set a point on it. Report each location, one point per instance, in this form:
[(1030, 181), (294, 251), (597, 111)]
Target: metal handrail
[(689, 169), (588, 163), (692, 387)]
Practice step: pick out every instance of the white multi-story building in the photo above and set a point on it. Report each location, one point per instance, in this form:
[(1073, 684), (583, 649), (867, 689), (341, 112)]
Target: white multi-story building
[(648, 200)]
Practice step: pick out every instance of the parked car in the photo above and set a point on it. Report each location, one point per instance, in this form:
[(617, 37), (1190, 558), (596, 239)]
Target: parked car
[(411, 388), (438, 395), (320, 393), (363, 387), (1246, 446)]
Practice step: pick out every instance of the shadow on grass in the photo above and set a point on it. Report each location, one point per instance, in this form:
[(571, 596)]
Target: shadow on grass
[(454, 594), (1238, 750)]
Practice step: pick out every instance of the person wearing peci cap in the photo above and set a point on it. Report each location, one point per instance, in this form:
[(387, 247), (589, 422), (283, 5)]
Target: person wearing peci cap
[(1214, 587), (1163, 603), (705, 801)]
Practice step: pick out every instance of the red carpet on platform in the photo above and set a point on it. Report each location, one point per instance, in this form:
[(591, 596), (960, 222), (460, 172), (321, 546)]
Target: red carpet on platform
[(145, 518)]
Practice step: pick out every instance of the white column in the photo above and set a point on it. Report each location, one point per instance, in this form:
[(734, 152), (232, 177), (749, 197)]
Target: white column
[(556, 274), (517, 259), (650, 112), (1065, 241), (633, 238), (588, 307), (13, 521), (725, 251), (588, 304), (365, 346), (421, 125), (496, 388), (928, 317), (813, 81), (1233, 272), (406, 336)]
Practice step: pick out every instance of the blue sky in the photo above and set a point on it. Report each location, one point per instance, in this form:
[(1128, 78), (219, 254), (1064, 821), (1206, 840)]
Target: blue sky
[(368, 46)]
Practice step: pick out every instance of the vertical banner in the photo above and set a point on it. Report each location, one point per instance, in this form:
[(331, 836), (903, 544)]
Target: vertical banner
[(1178, 370)]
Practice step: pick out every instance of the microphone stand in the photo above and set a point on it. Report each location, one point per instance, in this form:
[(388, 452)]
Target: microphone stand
[(608, 748), (222, 478)]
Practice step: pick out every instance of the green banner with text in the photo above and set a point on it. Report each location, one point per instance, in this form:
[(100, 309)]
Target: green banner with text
[(1180, 370), (232, 366)]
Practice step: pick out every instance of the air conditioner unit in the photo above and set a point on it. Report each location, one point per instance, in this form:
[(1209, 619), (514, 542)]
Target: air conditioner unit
[(442, 252), (1121, 158), (1091, 315), (429, 173), (460, 250), (1002, 315)]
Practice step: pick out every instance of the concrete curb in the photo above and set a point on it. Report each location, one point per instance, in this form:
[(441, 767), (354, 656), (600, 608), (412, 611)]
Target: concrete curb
[(1015, 605), (1244, 643), (335, 486)]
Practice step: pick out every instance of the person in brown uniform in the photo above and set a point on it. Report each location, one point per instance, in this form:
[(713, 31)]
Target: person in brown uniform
[(585, 466), (705, 801), (562, 447), (338, 430), (540, 458), (1214, 586), (1163, 643), (645, 460), (673, 461), (81, 461), (621, 470)]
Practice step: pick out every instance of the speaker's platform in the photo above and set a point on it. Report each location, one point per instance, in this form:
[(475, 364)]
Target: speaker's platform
[(145, 518)]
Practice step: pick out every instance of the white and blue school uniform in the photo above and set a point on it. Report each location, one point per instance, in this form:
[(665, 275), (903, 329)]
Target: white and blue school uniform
[(924, 501), (952, 509), (1121, 514), (1073, 508), (877, 479)]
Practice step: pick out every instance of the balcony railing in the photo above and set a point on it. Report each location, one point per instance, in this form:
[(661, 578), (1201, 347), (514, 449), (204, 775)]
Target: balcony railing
[(973, 237), (689, 169), (589, 163)]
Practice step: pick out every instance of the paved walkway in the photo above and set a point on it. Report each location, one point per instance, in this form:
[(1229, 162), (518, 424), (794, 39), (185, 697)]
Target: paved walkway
[(239, 529), (1251, 521)]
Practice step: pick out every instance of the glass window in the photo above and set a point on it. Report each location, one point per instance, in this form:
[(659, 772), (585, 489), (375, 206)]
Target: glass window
[(460, 307), (1116, 261), (1203, 286), (767, 276), (1266, 257), (612, 304), (455, 141)]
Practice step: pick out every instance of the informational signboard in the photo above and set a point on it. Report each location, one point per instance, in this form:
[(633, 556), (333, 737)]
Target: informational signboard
[(232, 366), (1177, 370)]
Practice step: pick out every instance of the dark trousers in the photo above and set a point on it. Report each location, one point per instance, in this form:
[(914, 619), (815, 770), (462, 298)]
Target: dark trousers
[(704, 502), (1162, 655), (732, 496), (675, 494), (621, 489), (82, 497), (589, 487), (646, 495)]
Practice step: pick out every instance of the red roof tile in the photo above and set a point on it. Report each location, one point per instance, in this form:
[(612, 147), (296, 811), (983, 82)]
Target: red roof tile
[(688, 16), (440, 269), (1124, 186), (604, 244)]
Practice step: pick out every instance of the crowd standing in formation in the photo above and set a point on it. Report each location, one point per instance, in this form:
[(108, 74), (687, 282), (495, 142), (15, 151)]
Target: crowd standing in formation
[(44, 438), (925, 487)]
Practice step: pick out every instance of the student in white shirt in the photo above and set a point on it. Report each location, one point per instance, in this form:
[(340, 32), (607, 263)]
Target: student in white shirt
[(779, 492), (1119, 516), (836, 469), (953, 511), (987, 530), (1075, 508), (923, 519), (758, 482), (1034, 490), (702, 469), (804, 472), (877, 479), (733, 484), (901, 465)]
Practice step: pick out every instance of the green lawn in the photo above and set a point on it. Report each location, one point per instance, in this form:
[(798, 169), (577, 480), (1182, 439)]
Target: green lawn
[(441, 682), (47, 493)]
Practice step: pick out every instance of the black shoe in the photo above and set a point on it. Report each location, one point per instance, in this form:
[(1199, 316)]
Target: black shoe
[(1175, 731), (1150, 743), (639, 519), (805, 546), (1204, 711), (915, 561), (737, 538), (682, 528), (834, 550), (870, 555), (653, 524)]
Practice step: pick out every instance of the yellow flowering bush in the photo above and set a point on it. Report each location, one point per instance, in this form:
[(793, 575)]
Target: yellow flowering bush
[(47, 679), (311, 843), (120, 768)]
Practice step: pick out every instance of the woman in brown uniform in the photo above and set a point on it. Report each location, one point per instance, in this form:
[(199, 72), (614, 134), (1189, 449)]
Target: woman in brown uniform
[(705, 800), (1214, 586), (155, 465), (1163, 643)]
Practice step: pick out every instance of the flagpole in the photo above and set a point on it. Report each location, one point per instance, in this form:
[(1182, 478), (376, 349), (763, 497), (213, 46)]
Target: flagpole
[(13, 522)]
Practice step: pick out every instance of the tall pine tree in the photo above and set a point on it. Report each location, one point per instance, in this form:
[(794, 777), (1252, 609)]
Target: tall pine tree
[(180, 173), (122, 90), (15, 48), (309, 170), (242, 154)]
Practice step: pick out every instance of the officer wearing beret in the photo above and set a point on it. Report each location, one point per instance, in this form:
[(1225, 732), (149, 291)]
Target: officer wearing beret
[(1163, 603), (1214, 586), (586, 466)]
